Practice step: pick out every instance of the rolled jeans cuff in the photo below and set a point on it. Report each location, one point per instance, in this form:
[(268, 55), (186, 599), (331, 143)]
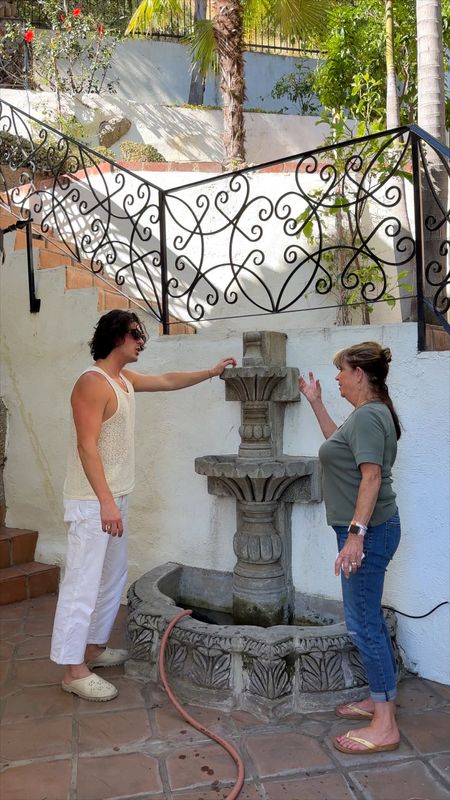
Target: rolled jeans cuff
[(384, 697)]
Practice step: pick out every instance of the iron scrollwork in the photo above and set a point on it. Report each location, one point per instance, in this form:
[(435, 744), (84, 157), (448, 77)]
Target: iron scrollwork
[(329, 228), (323, 233), (106, 217)]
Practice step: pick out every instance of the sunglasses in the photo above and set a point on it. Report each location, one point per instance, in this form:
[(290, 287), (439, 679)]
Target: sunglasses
[(137, 334)]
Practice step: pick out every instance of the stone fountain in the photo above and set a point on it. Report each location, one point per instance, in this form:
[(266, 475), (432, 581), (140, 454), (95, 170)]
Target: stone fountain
[(281, 651)]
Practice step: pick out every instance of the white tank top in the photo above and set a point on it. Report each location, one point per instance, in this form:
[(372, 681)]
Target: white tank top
[(115, 446)]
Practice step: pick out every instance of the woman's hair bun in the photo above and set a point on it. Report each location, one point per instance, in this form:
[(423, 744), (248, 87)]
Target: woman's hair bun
[(387, 354)]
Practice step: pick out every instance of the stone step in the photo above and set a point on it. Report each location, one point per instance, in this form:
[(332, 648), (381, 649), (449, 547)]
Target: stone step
[(25, 581), (17, 546)]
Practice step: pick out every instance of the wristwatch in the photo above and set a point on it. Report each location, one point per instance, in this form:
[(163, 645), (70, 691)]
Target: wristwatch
[(357, 528)]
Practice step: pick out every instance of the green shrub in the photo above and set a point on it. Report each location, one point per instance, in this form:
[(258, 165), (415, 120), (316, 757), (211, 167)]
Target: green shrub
[(138, 151), (55, 157)]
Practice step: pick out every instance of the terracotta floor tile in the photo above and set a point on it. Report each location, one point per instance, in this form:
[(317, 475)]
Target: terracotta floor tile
[(248, 792), (442, 764), (13, 611), (112, 729), (285, 752), (38, 672), (34, 647), (6, 651), (41, 737), (312, 727), (429, 731), (408, 781), (442, 689), (243, 719), (414, 695), (169, 724), (37, 701), (123, 775), (49, 779), (9, 628), (40, 606), (5, 669), (211, 718), (314, 787), (130, 696), (39, 625), (200, 765), (291, 754)]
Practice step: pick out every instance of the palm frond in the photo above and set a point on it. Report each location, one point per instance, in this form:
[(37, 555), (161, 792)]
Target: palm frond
[(152, 14), (298, 18), (203, 47), (256, 12)]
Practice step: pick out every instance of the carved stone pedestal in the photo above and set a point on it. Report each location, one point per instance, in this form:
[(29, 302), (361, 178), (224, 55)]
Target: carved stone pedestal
[(262, 480)]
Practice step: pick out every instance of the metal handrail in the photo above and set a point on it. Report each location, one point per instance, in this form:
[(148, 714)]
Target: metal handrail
[(198, 251)]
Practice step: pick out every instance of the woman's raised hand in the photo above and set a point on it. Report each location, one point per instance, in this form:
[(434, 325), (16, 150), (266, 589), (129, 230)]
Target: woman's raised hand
[(312, 390)]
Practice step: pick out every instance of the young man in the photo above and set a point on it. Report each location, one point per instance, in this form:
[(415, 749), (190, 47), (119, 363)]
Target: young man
[(100, 476)]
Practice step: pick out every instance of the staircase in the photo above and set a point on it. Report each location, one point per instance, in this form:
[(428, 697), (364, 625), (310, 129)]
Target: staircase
[(51, 253), (21, 577)]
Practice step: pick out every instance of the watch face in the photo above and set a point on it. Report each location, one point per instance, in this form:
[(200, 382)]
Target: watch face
[(353, 529)]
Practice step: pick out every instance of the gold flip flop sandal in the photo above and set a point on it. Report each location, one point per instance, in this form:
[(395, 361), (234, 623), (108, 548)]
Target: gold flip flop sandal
[(367, 747), (354, 712)]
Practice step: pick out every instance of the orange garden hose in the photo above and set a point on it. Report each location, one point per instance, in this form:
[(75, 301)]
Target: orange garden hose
[(195, 724)]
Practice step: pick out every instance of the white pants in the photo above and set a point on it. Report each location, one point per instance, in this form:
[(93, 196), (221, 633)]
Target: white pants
[(95, 576)]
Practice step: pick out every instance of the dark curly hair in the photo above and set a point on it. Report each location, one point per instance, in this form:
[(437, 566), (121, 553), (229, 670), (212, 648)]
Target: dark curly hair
[(110, 330)]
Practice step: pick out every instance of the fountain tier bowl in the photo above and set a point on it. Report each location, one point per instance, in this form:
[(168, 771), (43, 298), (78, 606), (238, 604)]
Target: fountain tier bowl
[(271, 672)]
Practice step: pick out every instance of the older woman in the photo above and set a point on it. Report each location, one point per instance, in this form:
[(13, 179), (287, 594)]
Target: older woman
[(357, 459)]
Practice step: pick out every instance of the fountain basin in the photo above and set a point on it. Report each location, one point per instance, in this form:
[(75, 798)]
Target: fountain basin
[(271, 672)]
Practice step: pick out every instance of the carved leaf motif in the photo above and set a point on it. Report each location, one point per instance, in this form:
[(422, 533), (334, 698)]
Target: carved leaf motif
[(310, 672), (175, 658), (333, 668), (211, 670), (141, 644), (269, 680)]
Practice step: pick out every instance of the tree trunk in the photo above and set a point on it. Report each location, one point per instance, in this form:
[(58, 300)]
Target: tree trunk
[(197, 87), (392, 103), (431, 117), (393, 121), (228, 31)]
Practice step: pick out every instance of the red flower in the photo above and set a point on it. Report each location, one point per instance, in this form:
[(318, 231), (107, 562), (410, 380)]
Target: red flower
[(28, 36), (76, 12), (100, 30), (62, 17)]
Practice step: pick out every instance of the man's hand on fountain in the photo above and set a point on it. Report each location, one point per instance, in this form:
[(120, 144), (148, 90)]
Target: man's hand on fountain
[(312, 390), (224, 362)]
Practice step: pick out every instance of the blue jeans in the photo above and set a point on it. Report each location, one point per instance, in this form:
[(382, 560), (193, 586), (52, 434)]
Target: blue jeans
[(362, 593)]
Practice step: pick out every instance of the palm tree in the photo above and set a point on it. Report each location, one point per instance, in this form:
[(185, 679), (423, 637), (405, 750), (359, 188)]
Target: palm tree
[(431, 117), (393, 121), (222, 39)]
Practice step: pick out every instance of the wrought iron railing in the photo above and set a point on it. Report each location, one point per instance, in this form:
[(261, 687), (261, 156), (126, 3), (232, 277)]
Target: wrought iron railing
[(324, 229), (116, 14)]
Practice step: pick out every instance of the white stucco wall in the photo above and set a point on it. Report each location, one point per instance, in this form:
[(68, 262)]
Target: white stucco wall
[(179, 134), (172, 515), (160, 73)]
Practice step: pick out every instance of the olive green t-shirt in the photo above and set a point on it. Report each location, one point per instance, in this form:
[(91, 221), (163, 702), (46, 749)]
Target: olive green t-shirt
[(367, 436)]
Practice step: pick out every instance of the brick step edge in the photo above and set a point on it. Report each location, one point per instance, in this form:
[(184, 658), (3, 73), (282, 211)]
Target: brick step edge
[(17, 546), (25, 581)]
